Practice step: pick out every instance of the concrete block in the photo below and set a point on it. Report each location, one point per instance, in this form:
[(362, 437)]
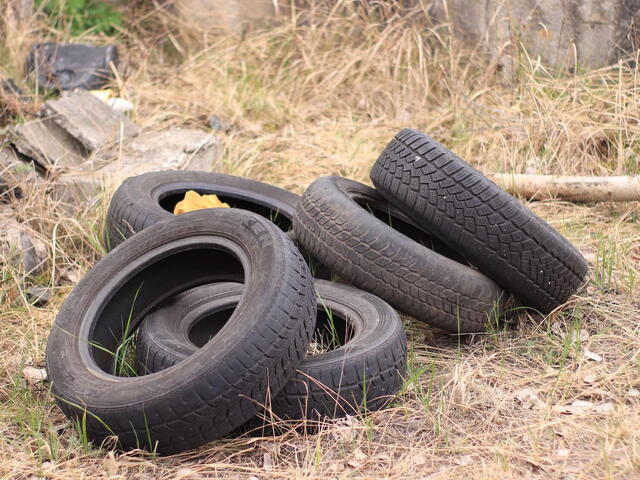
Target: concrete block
[(89, 120), (176, 149), (590, 33), (48, 144)]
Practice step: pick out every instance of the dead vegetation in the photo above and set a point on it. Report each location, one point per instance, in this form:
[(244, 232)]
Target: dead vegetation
[(555, 397)]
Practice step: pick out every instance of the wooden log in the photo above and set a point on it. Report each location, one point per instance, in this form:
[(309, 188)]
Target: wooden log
[(574, 189)]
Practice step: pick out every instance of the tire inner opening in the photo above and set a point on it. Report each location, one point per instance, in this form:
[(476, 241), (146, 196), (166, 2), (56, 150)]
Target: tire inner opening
[(386, 215), (169, 202), (332, 329), (208, 327), (112, 342)]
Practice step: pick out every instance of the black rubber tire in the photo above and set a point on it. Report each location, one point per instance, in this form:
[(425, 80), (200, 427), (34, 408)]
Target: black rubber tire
[(138, 203), (221, 386), (141, 200), (494, 231), (333, 226), (364, 372)]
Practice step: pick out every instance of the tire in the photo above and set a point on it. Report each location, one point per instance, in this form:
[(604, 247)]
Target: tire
[(364, 372), (391, 262), (149, 198), (146, 199), (221, 386), (494, 231)]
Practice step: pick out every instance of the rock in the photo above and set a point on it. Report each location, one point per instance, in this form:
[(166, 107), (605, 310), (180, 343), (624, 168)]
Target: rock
[(176, 149), (215, 123), (90, 121), (591, 33), (33, 375), (22, 9), (48, 144), (73, 127), (72, 275), (40, 296), (19, 247), (80, 188), (232, 15), (19, 178)]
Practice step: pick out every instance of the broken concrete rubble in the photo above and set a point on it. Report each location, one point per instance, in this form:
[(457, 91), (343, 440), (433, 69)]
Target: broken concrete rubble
[(19, 247), (71, 128), (85, 148), (89, 120), (47, 144), (176, 149), (39, 295), (18, 178)]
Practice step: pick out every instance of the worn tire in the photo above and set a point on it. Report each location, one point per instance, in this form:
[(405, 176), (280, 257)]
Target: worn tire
[(221, 386), (146, 199), (494, 231), (333, 226), (149, 198), (365, 371)]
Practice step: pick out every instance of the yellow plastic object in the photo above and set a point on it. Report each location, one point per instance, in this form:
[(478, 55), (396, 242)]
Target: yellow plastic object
[(194, 201), (103, 95)]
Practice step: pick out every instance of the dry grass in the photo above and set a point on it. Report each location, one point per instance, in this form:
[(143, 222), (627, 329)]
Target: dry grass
[(323, 97)]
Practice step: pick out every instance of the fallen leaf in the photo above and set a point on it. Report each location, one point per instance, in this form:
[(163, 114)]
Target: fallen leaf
[(267, 461), (574, 335), (599, 393), (185, 474), (272, 447), (562, 452), (464, 461), (604, 408), (550, 372), (589, 379), (419, 460), (592, 356), (529, 399), (557, 329), (584, 406), (633, 392), (535, 465), (111, 465), (34, 375), (359, 454), (72, 275), (576, 407)]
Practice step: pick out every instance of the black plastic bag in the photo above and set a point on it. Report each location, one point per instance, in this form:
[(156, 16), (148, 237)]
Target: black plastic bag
[(70, 66)]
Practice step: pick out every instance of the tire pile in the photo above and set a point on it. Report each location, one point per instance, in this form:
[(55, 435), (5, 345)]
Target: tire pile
[(233, 317)]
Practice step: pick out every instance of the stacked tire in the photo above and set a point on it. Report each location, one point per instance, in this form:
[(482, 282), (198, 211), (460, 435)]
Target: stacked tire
[(208, 323)]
